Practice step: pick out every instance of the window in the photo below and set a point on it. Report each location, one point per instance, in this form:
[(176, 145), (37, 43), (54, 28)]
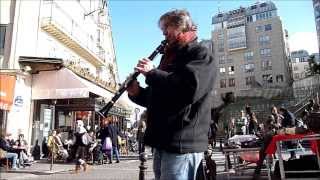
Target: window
[(266, 65), (220, 46), (250, 80), (236, 37), (259, 28), (229, 60), (2, 35), (231, 70), (296, 75), (264, 40), (263, 5), (249, 18), (264, 15), (267, 78), (248, 55), (295, 68), (232, 82), (222, 59), (223, 83), (222, 70), (220, 36), (249, 67), (267, 27), (279, 78), (265, 52)]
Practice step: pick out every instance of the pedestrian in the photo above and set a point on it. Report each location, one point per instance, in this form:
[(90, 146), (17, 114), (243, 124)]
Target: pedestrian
[(141, 130), (212, 134), (288, 121), (114, 132), (244, 122), (44, 148), (253, 124), (178, 99), (230, 128), (36, 152), (267, 135), (80, 142), (105, 135), (277, 116)]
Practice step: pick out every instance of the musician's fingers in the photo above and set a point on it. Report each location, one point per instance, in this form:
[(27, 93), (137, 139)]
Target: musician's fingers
[(146, 60), (143, 62), (138, 68)]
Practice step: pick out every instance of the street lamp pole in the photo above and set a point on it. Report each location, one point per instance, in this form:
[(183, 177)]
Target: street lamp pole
[(142, 155)]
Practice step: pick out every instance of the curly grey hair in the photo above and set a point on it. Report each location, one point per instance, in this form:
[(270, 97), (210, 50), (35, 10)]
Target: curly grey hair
[(180, 19)]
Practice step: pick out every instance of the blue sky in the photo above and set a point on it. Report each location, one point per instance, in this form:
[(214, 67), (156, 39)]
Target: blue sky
[(136, 33)]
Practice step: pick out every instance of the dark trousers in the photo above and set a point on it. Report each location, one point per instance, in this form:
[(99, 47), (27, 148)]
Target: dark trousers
[(262, 155), (80, 154)]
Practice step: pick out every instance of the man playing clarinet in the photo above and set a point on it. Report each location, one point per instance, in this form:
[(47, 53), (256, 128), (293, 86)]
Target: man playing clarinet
[(178, 99)]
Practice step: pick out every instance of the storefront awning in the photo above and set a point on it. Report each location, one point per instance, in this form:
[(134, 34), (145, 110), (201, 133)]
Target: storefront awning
[(64, 84), (7, 83)]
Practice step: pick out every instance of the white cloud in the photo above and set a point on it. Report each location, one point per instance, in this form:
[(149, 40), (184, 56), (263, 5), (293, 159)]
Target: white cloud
[(304, 40)]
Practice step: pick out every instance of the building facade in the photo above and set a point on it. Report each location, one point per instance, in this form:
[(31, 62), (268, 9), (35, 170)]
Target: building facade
[(60, 58), (316, 6), (300, 64), (251, 52)]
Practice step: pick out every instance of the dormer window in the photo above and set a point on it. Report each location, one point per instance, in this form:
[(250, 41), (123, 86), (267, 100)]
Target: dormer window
[(263, 5)]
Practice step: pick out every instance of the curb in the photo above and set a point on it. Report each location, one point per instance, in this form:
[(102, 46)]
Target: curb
[(32, 173)]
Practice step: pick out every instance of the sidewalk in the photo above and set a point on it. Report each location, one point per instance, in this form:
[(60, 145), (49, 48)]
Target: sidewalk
[(41, 167)]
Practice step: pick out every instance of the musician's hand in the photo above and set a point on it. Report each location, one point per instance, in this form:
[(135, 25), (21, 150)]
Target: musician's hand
[(134, 88), (144, 66)]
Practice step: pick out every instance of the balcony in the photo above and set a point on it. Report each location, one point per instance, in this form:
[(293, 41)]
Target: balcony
[(63, 28)]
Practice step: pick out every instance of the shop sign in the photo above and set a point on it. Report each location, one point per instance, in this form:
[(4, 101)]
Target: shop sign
[(7, 84), (18, 101)]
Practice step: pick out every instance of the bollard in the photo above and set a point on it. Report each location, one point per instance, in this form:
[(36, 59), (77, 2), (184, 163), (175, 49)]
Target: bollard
[(143, 168)]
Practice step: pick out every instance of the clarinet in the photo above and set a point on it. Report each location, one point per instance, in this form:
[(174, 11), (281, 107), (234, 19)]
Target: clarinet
[(105, 110)]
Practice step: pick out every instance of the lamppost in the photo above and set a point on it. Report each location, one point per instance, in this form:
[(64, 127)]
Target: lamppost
[(142, 155), (54, 102)]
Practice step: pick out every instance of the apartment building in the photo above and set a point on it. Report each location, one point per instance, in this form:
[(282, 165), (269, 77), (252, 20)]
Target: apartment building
[(251, 51), (59, 61), (300, 65)]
